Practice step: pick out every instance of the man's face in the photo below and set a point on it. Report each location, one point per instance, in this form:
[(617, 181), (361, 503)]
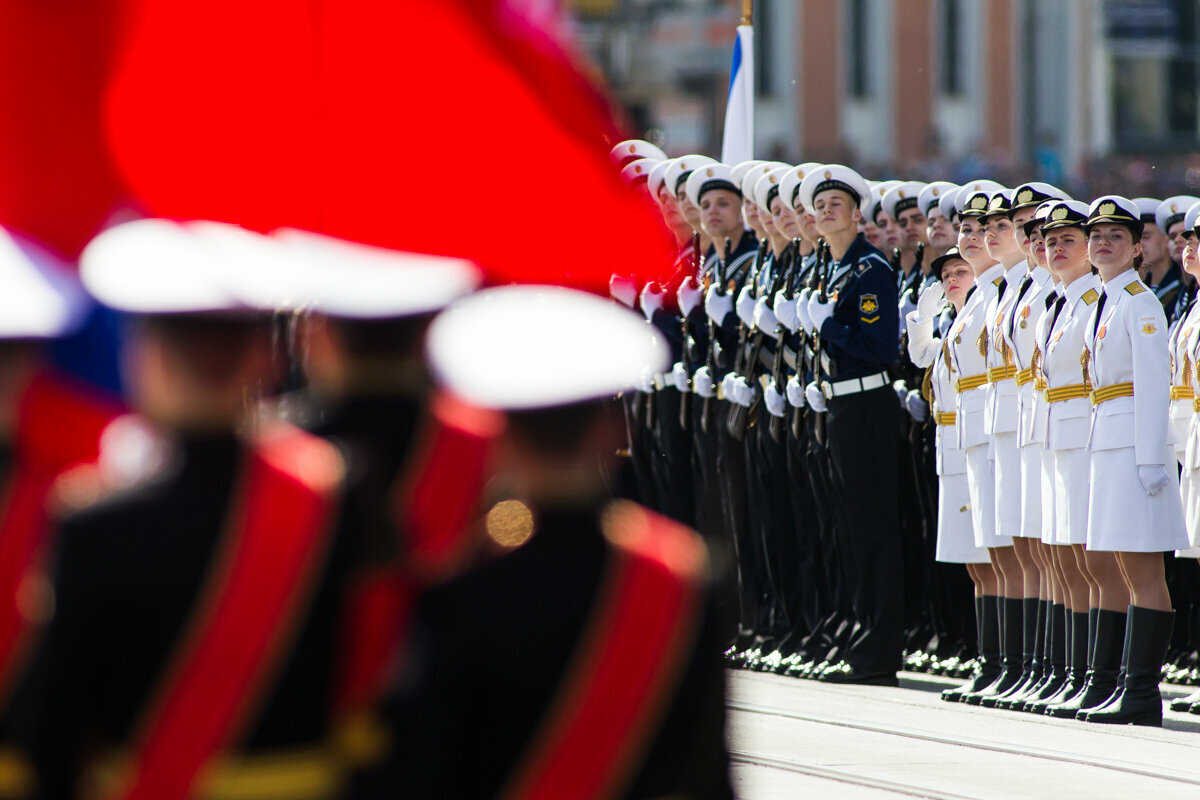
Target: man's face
[(1178, 240), (688, 209), (670, 209), (721, 214), (835, 211), (1154, 244), (889, 231), (939, 232), (912, 226), (750, 215)]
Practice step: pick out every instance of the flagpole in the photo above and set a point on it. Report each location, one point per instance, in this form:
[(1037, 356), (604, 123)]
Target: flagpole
[(747, 12)]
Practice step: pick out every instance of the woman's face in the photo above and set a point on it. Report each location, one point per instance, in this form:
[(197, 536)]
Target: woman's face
[(1000, 238), (957, 280), (970, 243), (1111, 248), (1037, 246), (1067, 250), (1191, 255)]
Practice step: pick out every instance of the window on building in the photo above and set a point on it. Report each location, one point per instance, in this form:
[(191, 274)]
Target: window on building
[(858, 25), (1153, 45), (951, 47), (765, 30)]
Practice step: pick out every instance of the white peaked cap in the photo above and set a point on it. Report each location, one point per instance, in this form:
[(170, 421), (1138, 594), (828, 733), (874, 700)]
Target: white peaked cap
[(527, 347), (765, 184), (638, 170), (157, 266), (878, 190), (972, 188), (636, 148), (658, 175), (349, 280), (751, 177), (834, 176), (40, 297), (907, 193), (1172, 210), (1148, 207), (789, 185), (1191, 216), (739, 170), (948, 204), (682, 165), (708, 178), (932, 195)]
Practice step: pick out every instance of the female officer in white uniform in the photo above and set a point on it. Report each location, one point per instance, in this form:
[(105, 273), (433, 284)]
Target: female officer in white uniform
[(967, 344), (1134, 510), (955, 537)]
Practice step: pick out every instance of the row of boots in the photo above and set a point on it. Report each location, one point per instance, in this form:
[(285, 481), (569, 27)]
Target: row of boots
[(1097, 666)]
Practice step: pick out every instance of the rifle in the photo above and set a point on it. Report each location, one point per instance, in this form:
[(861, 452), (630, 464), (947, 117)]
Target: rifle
[(706, 414), (739, 361), (808, 348), (822, 296), (779, 367), (739, 415), (685, 398)]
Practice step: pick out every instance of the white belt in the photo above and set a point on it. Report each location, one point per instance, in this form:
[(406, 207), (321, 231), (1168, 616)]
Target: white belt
[(854, 385)]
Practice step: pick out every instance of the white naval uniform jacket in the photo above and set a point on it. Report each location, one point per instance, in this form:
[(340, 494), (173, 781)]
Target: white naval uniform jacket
[(1068, 421), (1183, 370), (1002, 413), (1126, 341), (968, 346), (1020, 332), (926, 350)]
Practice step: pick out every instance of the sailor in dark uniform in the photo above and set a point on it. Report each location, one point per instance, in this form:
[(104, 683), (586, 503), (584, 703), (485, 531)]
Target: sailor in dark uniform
[(857, 319), (201, 574), (49, 423), (1159, 271), (582, 660)]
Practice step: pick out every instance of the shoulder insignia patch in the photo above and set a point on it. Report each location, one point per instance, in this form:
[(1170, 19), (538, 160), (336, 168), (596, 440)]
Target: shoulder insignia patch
[(868, 303), (1147, 325), (1135, 288), (1090, 296), (998, 281)]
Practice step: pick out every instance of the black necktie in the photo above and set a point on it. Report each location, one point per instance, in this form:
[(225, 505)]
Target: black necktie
[(1012, 321), (1058, 307), (1099, 311)]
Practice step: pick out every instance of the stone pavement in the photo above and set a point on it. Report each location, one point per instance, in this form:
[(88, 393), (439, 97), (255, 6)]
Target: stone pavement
[(793, 738)]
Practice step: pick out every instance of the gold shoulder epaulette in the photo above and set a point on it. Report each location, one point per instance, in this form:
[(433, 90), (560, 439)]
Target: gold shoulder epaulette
[(1135, 288), (1090, 296), (997, 281)]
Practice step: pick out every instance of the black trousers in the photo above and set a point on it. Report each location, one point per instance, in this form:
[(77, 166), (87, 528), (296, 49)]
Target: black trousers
[(861, 441), (671, 462)]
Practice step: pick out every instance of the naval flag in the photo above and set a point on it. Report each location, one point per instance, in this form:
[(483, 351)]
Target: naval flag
[(738, 144)]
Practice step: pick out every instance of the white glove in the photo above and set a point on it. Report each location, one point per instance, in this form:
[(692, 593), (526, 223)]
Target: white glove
[(689, 296), (815, 397), (679, 376), (764, 318), (702, 383), (717, 306), (646, 380), (916, 406), (742, 392), (622, 289), (818, 312), (802, 308), (652, 300), (795, 392), (745, 306), (775, 401), (901, 390), (727, 385), (785, 312), (930, 301), (1154, 478)]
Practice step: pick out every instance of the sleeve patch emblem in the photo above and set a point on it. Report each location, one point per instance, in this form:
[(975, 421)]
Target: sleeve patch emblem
[(1148, 327), (868, 304)]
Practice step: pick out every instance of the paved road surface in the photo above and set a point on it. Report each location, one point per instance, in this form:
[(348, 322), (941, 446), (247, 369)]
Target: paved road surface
[(793, 738)]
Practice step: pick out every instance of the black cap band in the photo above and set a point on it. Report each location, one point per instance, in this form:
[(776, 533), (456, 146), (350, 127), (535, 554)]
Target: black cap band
[(717, 183), (833, 183)]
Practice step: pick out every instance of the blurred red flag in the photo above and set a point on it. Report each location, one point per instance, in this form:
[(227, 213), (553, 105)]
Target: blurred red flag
[(452, 127), (57, 184)]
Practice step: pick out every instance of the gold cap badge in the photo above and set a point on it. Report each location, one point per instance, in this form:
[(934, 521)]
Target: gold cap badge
[(1107, 209), (828, 174), (1059, 213), (1025, 196), (709, 172), (979, 201)]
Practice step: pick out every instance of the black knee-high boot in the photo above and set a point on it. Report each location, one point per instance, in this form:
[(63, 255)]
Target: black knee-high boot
[(1137, 700), (987, 618), (1011, 640), (1078, 643), (1034, 619)]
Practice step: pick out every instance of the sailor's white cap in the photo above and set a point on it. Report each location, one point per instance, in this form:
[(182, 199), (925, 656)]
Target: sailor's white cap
[(633, 149), (1148, 208), (933, 193), (1117, 209), (878, 190), (355, 281), (751, 177), (902, 197), (681, 168), (657, 177), (834, 176), (1173, 209), (789, 185), (739, 170), (1192, 217), (948, 202), (638, 172), (768, 187), (41, 298), (974, 197), (708, 178), (528, 347), (1034, 193), (1063, 214)]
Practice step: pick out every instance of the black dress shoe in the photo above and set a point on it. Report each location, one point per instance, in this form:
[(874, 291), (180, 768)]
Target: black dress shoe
[(851, 676)]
